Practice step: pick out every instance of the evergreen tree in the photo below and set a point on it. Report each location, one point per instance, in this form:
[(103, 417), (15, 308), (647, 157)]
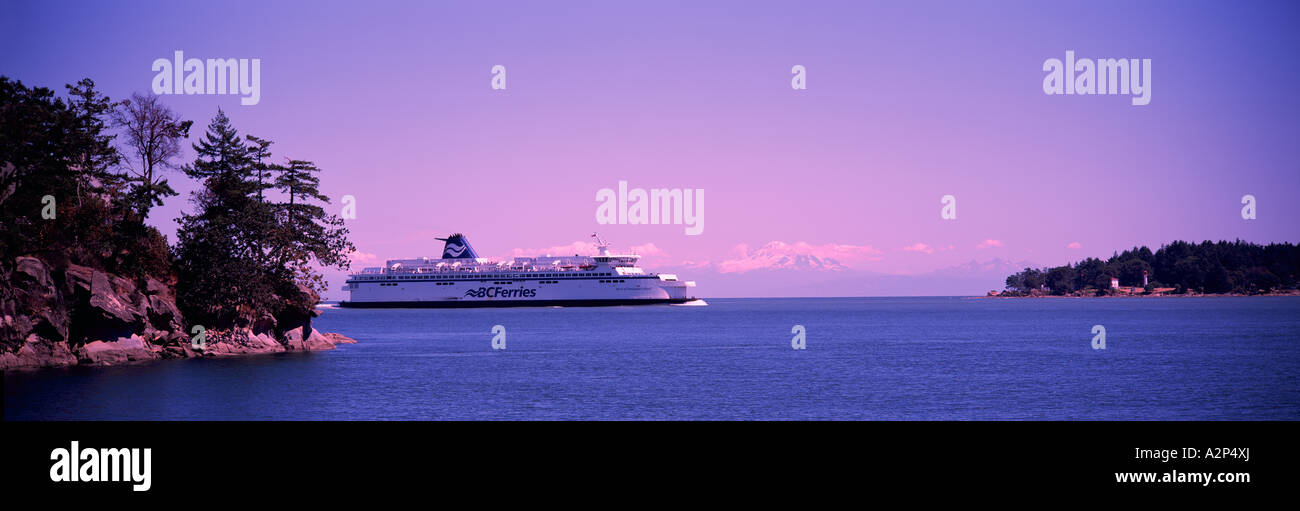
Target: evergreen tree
[(222, 278), (61, 150), (1208, 267), (259, 151), (307, 234), (241, 257), (94, 156)]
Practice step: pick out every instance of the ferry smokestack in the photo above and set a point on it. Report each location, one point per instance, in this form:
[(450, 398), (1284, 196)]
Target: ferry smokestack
[(457, 247)]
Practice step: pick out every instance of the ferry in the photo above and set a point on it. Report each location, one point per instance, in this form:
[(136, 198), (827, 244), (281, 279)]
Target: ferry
[(460, 278)]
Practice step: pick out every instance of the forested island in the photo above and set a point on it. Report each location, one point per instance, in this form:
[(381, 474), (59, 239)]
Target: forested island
[(85, 280), (1178, 268)]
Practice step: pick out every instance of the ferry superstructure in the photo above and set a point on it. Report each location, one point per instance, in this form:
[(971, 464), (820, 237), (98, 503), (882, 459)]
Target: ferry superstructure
[(460, 278)]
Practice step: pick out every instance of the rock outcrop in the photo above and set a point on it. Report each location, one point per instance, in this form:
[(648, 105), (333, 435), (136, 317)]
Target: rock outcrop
[(36, 352), (52, 317), (121, 351)]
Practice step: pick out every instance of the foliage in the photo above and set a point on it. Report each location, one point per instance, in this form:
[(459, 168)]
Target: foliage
[(240, 256), (1207, 267), (60, 149), (152, 134)]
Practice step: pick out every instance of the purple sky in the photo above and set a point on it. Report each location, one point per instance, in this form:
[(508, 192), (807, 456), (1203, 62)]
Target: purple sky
[(906, 102)]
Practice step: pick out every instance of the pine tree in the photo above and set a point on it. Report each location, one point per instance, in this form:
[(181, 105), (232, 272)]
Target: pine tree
[(240, 257), (223, 279), (95, 156), (307, 233), (259, 151)]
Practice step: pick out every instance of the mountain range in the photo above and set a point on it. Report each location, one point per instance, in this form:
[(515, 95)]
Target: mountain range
[(808, 275)]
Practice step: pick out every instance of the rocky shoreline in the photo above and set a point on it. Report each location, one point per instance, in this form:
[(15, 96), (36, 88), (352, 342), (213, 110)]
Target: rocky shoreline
[(80, 316), (1092, 294)]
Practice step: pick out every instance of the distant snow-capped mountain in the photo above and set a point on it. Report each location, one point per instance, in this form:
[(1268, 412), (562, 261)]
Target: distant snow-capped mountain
[(806, 275)]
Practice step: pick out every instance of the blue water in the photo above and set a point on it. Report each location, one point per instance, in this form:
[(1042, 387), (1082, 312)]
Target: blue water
[(866, 358)]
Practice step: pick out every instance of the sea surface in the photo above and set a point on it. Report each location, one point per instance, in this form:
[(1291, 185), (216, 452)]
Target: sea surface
[(865, 358)]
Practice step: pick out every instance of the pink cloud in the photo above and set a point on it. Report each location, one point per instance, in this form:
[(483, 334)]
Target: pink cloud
[(648, 251), (360, 258), (1074, 245), (798, 255), (988, 244), (919, 247)]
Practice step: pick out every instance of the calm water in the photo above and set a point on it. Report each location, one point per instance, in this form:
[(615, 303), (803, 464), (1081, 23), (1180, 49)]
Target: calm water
[(869, 358)]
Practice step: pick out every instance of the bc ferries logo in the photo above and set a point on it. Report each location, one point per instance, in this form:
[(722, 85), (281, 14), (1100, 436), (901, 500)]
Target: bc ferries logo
[(501, 292), (453, 250)]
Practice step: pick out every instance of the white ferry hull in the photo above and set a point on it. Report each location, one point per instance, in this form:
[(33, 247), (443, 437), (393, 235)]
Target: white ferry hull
[(461, 279), (566, 292)]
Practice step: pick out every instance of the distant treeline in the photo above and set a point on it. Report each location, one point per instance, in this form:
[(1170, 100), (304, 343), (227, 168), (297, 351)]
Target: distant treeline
[(1207, 267)]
